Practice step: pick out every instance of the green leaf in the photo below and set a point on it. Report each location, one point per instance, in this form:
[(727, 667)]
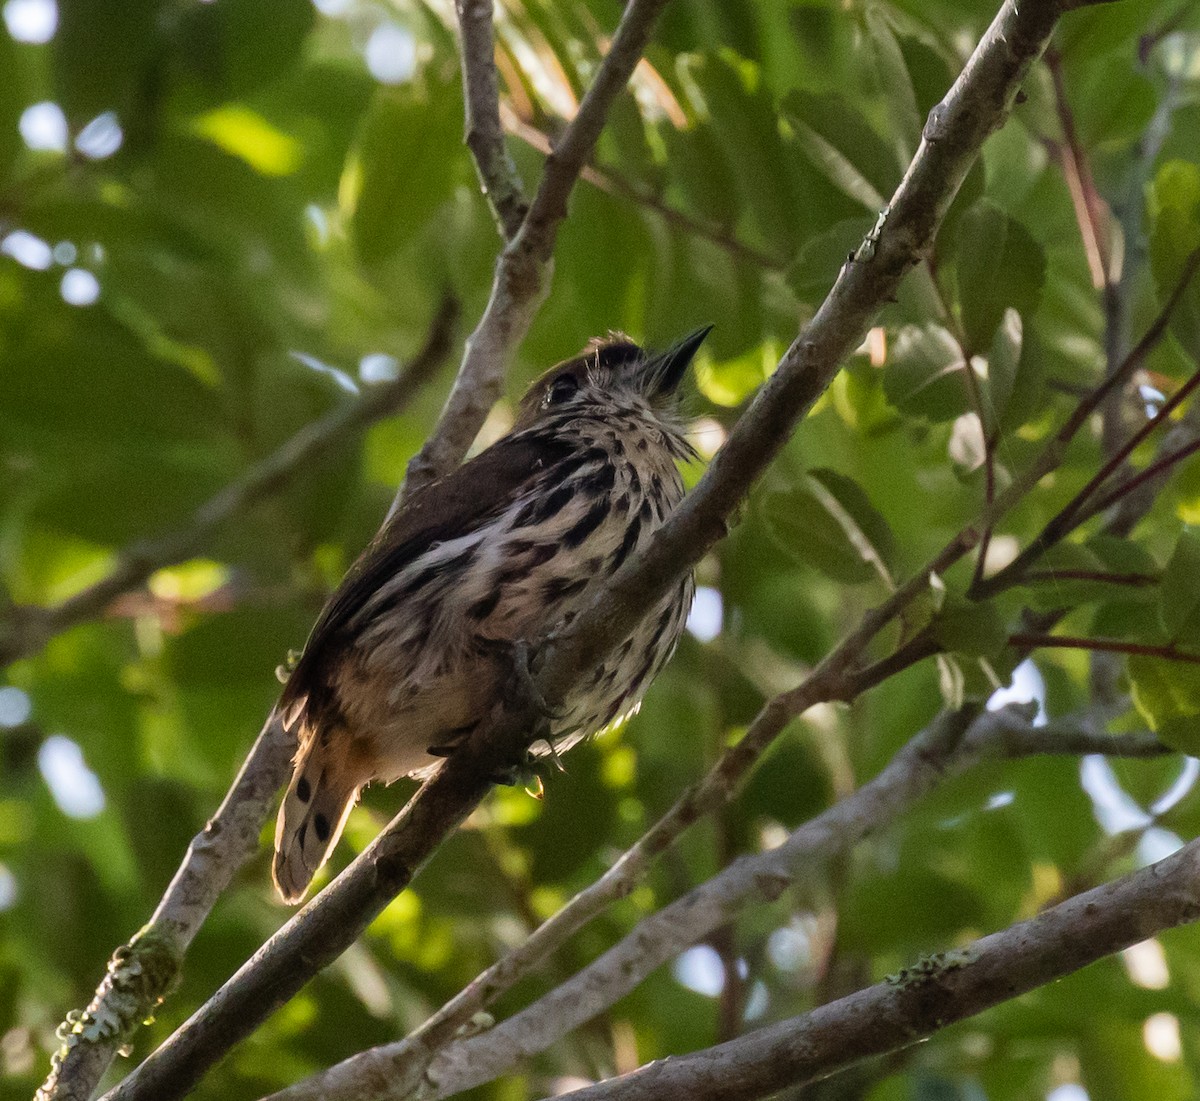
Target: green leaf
[(970, 629), (701, 173), (232, 61), (1003, 365), (1027, 399), (102, 52), (821, 258), (408, 158), (1114, 105), (1122, 555), (838, 139), (861, 519), (801, 522), (1175, 212), (1179, 596), (1167, 693), (999, 265), (924, 374), (746, 124), (892, 73)]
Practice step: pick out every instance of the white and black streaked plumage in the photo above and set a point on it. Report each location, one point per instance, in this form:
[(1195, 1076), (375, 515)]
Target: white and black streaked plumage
[(404, 657)]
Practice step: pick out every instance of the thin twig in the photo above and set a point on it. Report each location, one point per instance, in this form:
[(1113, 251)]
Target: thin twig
[(1133, 580), (1030, 641), (523, 269), (1150, 340), (1090, 211), (1062, 524), (27, 628), (484, 135), (607, 179), (1154, 470), (1068, 517)]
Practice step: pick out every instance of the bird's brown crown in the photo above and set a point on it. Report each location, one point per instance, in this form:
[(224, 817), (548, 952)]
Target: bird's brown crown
[(608, 367)]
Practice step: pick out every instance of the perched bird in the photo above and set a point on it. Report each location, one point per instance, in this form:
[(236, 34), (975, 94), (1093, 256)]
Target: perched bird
[(409, 653)]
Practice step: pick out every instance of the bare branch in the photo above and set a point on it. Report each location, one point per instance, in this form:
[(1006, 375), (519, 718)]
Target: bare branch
[(334, 919), (142, 972), (523, 269), (954, 133), (934, 993), (951, 745), (27, 629), (1068, 518), (484, 134)]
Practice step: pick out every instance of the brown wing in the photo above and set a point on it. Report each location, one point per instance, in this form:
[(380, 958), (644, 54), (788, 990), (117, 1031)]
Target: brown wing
[(450, 507)]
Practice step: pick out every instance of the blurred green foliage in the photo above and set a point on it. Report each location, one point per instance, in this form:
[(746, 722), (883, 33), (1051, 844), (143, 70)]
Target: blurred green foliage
[(220, 220)]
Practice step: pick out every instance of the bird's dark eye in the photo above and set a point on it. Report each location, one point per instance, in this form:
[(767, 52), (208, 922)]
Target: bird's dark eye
[(562, 389)]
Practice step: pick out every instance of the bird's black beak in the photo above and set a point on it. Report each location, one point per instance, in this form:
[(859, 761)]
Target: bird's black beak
[(664, 371)]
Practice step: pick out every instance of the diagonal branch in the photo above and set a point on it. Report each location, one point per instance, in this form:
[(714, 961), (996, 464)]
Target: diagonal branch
[(953, 135), (523, 269), (142, 972), (1037, 641), (29, 628), (484, 134), (606, 179), (333, 920), (951, 745), (937, 991)]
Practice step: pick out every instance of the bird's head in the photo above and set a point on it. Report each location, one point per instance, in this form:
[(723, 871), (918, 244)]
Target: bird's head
[(611, 370)]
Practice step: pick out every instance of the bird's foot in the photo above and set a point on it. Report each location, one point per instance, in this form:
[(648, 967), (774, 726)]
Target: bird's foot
[(520, 688)]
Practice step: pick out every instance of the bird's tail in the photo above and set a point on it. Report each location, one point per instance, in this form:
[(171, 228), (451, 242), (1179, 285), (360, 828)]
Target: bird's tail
[(311, 818)]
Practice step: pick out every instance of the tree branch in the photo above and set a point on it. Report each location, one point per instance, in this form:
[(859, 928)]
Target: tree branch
[(955, 131), (952, 744), (334, 919), (393, 1071), (484, 135), (611, 182), (143, 971), (1067, 519), (937, 991), (28, 628), (953, 135), (523, 269)]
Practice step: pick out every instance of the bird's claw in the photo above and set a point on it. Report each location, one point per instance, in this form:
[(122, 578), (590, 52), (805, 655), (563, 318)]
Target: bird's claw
[(522, 688)]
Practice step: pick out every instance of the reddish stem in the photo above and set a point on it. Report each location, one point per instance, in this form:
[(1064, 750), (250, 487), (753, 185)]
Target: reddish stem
[(1030, 641)]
